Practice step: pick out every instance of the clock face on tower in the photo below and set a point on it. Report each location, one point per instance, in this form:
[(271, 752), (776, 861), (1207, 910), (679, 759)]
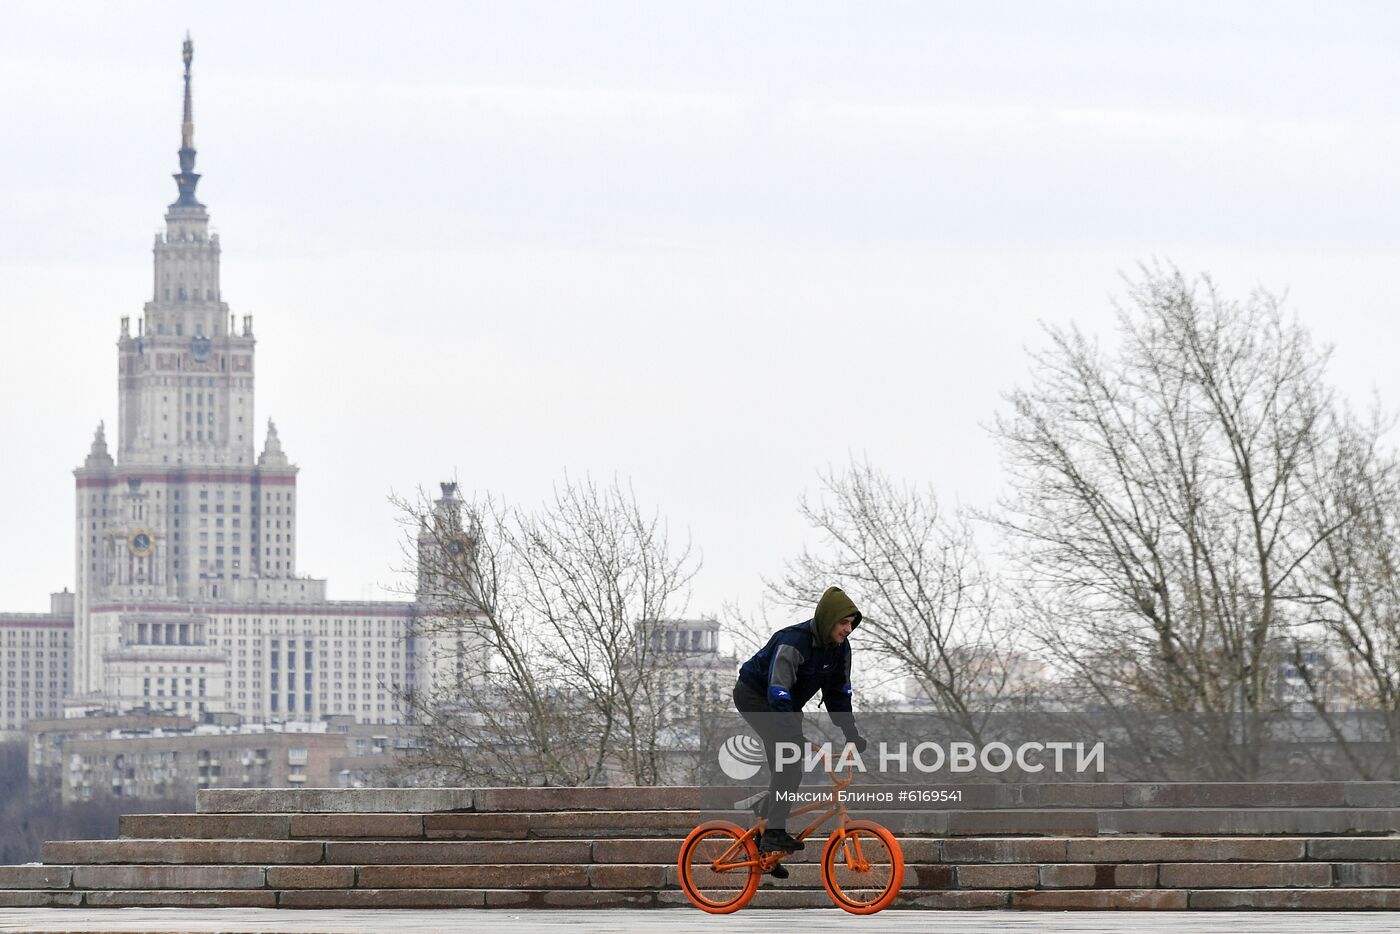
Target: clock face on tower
[(141, 543)]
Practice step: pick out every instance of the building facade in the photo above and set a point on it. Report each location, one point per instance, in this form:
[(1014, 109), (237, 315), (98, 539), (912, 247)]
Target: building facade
[(702, 673), (163, 758), (188, 598), (35, 660)]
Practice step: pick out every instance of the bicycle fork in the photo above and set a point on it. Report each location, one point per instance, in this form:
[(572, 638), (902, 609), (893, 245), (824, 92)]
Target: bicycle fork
[(850, 849)]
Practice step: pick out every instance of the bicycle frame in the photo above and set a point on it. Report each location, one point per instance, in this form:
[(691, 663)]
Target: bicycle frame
[(833, 805)]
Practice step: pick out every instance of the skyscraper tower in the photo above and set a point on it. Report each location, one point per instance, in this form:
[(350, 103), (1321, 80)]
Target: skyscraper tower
[(183, 514), (187, 598), (186, 376)]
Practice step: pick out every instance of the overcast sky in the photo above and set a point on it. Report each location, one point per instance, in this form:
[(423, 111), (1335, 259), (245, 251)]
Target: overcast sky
[(708, 247)]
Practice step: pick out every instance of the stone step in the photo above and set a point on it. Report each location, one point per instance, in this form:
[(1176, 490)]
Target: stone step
[(690, 798), (1335, 899), (145, 898), (467, 826), (332, 800), (1037, 850), (1213, 821), (217, 826), (279, 852), (657, 876), (1124, 849), (184, 852), (676, 824), (1294, 899), (1370, 862), (615, 898), (467, 898), (554, 876), (451, 898)]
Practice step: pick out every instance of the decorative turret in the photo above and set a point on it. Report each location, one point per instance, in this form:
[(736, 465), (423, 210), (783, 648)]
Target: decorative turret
[(451, 498), (187, 179), (97, 455), (272, 455), (447, 512), (443, 538)]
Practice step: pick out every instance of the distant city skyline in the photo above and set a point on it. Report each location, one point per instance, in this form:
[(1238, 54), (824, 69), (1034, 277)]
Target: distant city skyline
[(707, 249)]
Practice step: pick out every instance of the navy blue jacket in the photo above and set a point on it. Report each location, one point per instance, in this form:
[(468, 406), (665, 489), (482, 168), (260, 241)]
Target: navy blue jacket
[(794, 665)]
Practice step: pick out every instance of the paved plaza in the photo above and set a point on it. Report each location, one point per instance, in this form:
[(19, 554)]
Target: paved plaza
[(677, 921)]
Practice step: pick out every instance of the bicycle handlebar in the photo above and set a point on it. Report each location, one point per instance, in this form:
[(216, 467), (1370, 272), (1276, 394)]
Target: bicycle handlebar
[(830, 769)]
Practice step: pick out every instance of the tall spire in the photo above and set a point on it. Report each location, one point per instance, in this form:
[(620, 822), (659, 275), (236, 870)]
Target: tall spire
[(187, 179)]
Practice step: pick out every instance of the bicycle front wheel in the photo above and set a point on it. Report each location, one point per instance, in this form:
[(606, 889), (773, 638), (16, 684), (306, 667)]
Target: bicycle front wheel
[(718, 867), (862, 867)]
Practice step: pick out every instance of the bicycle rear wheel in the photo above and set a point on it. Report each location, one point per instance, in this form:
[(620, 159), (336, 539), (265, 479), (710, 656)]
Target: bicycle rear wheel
[(718, 867), (862, 867)]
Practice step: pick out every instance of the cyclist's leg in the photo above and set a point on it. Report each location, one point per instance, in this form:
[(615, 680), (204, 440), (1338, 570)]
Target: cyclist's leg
[(752, 707), (772, 729), (785, 778)]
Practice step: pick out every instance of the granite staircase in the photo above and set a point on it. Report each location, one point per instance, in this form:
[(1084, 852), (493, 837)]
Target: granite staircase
[(1050, 846)]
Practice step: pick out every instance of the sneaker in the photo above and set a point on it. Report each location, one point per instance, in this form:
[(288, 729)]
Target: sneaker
[(779, 871), (778, 840)]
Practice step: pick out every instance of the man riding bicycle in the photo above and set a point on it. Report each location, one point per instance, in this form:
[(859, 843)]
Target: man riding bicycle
[(778, 681)]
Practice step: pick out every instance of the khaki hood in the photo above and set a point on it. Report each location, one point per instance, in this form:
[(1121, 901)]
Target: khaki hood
[(831, 608)]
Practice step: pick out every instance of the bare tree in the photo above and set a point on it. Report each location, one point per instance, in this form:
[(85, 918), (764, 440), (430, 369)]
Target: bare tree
[(1167, 505), (928, 603), (1346, 660), (543, 658)]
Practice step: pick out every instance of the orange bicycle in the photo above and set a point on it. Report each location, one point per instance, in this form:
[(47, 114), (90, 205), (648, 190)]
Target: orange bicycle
[(862, 866)]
